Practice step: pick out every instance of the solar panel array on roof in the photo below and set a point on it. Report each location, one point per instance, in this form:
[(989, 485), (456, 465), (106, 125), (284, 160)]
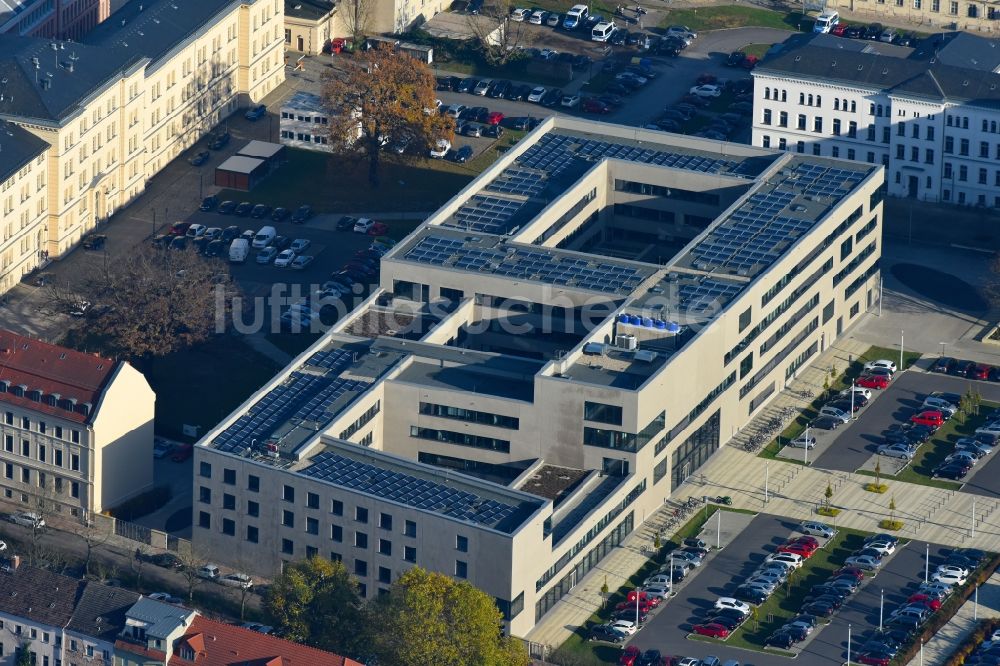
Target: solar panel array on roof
[(706, 294), (821, 180), (335, 360), (487, 214), (554, 153), (302, 397), (518, 181), (540, 265), (409, 490)]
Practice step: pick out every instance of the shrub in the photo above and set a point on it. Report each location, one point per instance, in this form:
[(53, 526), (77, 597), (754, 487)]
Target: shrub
[(894, 525), (828, 511), (880, 488)]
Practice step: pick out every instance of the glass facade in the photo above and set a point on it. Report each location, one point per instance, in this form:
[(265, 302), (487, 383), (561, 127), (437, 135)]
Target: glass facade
[(696, 449), (472, 416)]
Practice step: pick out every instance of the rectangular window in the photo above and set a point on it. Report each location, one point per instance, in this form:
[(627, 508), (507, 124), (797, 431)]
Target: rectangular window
[(929, 156), (746, 365), (204, 520), (312, 526), (205, 470), (461, 569), (601, 413), (229, 501), (462, 544), (783, 119), (336, 533), (409, 553), (360, 540), (360, 568), (336, 507), (766, 119), (963, 147), (800, 121), (228, 527), (384, 575), (288, 494), (253, 509), (473, 416), (818, 124), (253, 483), (384, 547), (385, 521), (204, 495), (287, 547), (361, 514), (229, 477), (410, 529), (312, 500), (461, 439), (836, 127), (288, 518)]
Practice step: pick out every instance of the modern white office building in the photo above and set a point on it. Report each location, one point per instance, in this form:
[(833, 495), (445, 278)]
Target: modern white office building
[(930, 114), (544, 361), (304, 123)]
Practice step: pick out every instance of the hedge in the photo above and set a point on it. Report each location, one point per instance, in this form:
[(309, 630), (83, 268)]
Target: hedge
[(984, 629)]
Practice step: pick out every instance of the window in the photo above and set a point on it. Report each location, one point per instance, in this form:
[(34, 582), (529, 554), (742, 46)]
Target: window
[(312, 500), (312, 526), (949, 144), (766, 120), (852, 129), (253, 509), (800, 121), (360, 568), (336, 507), (929, 156), (204, 520), (900, 129), (288, 494), (461, 569), (253, 483), (385, 521), (765, 141), (336, 533), (409, 553), (205, 470), (746, 365), (287, 547), (229, 501), (963, 172), (948, 173), (410, 529), (228, 527), (461, 544), (914, 154), (461, 439), (229, 477), (782, 143), (783, 119), (601, 413), (984, 149), (360, 540), (900, 151), (982, 176), (361, 514), (818, 124), (384, 547), (800, 146), (204, 495), (963, 147), (835, 151), (288, 518), (384, 575), (836, 127)]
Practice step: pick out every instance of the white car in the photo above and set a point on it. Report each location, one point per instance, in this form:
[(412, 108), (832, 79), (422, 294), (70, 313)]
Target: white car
[(3, 546), (300, 245), (363, 225), (772, 575), (656, 591), (790, 558), (537, 17), (570, 100), (803, 442), (857, 390), (284, 258), (881, 363), (629, 627), (164, 597), (209, 572), (681, 31), (441, 148), (659, 580), (949, 577), (939, 590), (866, 562), (685, 556), (455, 110), (815, 528), (735, 604), (302, 262), (884, 547), (952, 568), (239, 580), (520, 14), (536, 94), (267, 255), (896, 450), (707, 90), (27, 519)]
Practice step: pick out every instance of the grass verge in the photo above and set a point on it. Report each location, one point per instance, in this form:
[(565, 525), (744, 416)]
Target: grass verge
[(787, 599), (838, 382), (577, 649), (735, 16), (757, 50)]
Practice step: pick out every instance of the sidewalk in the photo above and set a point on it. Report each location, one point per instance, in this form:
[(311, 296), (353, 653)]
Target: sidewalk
[(951, 635)]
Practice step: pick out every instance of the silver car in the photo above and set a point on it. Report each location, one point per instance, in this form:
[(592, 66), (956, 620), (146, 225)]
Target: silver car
[(815, 528)]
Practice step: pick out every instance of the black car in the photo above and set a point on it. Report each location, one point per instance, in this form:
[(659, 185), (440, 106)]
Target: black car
[(499, 89), (826, 423), (629, 614), (302, 214), (281, 243), (729, 623), (803, 619), (226, 207), (280, 214), (828, 599), (244, 209), (611, 100), (736, 58), (854, 31), (518, 93), (165, 560), (874, 31), (650, 658), (617, 89), (215, 248), (603, 632), (466, 85), (904, 39), (259, 211), (463, 154), (448, 82), (178, 243), (494, 131), (219, 141), (346, 223), (552, 97), (582, 61), (733, 613), (954, 472), (229, 233), (835, 591), (208, 203), (94, 242), (819, 609), (750, 595), (520, 123), (780, 639), (199, 158)]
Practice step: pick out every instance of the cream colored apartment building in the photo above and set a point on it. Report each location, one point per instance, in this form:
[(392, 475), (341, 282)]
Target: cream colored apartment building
[(138, 90), (546, 360), (23, 202), (76, 429)]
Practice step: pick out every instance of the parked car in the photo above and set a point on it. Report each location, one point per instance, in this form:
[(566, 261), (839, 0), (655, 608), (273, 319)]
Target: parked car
[(932, 418), (239, 580), (27, 519), (256, 112), (826, 423), (607, 633), (711, 629), (815, 528), (182, 452), (199, 158)]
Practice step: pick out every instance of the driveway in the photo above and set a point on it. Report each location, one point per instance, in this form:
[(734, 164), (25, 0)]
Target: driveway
[(858, 441)]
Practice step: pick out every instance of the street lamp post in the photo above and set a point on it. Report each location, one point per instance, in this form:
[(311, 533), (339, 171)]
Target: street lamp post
[(927, 561), (718, 529), (805, 449), (881, 608), (943, 345), (901, 350), (973, 517), (765, 483), (848, 645)]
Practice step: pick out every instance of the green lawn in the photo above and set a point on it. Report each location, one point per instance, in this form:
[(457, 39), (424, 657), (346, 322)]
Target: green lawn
[(330, 185), (516, 71), (738, 16), (932, 453), (787, 599), (200, 386), (841, 379), (581, 652), (756, 49)]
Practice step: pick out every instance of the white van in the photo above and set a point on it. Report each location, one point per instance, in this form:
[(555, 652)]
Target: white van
[(264, 237), (575, 17), (826, 22), (602, 31), (239, 250)]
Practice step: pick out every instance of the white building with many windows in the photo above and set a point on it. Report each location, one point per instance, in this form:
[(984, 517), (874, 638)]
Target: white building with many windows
[(304, 123), (931, 115)]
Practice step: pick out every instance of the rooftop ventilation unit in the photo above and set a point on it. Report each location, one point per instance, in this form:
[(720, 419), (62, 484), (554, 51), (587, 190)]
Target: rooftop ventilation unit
[(626, 341), (646, 356)]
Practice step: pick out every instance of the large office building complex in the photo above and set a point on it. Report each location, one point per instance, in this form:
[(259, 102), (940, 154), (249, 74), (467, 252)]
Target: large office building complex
[(929, 114), (119, 105), (544, 361)]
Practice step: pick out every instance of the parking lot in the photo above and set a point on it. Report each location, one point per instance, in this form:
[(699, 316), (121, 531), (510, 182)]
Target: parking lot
[(852, 445), (668, 629)]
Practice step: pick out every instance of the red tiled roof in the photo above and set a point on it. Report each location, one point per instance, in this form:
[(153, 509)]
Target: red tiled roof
[(140, 650), (228, 645), (53, 370)]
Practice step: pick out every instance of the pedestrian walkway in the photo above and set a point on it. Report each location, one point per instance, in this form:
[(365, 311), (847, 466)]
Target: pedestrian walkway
[(953, 634)]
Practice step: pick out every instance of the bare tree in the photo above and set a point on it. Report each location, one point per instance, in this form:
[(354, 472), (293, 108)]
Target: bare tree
[(44, 504), (191, 563), (137, 563), (498, 36), (95, 532), (357, 17)]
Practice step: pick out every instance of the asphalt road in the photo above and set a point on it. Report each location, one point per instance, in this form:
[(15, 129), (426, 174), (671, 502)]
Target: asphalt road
[(667, 631), (858, 441)]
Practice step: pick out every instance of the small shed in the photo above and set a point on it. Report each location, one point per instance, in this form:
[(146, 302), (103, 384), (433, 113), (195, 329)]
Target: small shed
[(240, 172)]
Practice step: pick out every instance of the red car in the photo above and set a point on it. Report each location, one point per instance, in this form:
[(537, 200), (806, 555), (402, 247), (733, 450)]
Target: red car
[(930, 602), (979, 371), (630, 656), (379, 229), (644, 599), (875, 659), (179, 228), (630, 606), (928, 418), (797, 549), (838, 30), (712, 629), (592, 105), (806, 539), (182, 452), (750, 62), (872, 382), (858, 574), (494, 118)]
